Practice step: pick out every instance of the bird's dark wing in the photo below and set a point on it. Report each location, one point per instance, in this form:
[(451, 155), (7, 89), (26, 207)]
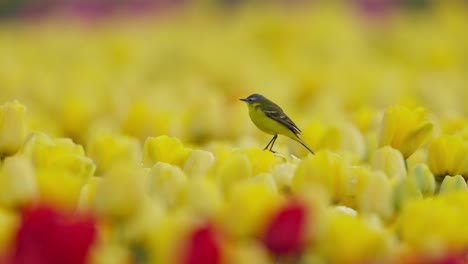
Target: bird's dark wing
[(276, 113)]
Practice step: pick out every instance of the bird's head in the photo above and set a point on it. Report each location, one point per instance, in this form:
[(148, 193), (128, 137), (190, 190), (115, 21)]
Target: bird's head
[(253, 98)]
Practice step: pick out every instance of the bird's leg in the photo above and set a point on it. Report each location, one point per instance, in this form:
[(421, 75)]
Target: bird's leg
[(271, 141)]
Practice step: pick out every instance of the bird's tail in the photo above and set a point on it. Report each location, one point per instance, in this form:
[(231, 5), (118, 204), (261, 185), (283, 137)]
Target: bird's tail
[(298, 139)]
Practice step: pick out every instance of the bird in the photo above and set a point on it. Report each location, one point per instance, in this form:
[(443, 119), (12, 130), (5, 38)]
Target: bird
[(271, 119)]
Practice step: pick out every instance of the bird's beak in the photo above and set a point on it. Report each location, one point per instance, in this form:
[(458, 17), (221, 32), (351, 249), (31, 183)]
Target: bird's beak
[(243, 100)]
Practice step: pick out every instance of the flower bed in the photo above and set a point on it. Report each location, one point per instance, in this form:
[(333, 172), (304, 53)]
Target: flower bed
[(125, 142)]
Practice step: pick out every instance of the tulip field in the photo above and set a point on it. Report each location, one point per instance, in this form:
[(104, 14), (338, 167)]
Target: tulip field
[(123, 140)]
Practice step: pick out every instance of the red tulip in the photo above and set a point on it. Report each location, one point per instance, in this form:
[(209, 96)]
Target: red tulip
[(285, 232), (49, 237), (203, 247)]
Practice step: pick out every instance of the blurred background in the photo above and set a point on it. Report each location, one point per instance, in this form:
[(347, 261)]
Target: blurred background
[(146, 68)]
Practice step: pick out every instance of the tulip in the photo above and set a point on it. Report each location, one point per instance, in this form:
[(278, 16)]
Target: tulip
[(232, 169), (168, 184), (376, 195), (424, 179), (405, 191), (198, 163), (453, 183), (262, 161), (18, 184), (12, 127), (9, 221), (164, 149), (285, 233), (256, 202), (108, 149), (327, 169), (61, 167), (121, 192), (404, 129), (247, 251), (368, 243), (445, 212), (390, 161), (447, 155), (203, 247), (47, 236)]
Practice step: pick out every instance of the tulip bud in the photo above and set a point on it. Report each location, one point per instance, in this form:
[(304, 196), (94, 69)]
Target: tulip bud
[(404, 191), (164, 149), (390, 161), (18, 186), (48, 236), (262, 161), (232, 169), (285, 232), (12, 127), (246, 252), (9, 222), (376, 196), (447, 155), (108, 149), (404, 129), (368, 242), (453, 183), (424, 179), (168, 183), (62, 168), (326, 169), (121, 192), (203, 247), (255, 201), (198, 163)]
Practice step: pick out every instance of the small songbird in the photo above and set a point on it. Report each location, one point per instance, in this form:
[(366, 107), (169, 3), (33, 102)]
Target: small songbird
[(271, 119)]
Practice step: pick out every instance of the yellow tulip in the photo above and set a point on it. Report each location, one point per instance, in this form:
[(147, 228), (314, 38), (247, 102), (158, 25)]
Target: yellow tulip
[(164, 149), (453, 183), (447, 155), (165, 240), (256, 202), (12, 127), (283, 174), (262, 161), (9, 221), (168, 184), (61, 167), (390, 161), (204, 198), (108, 149), (376, 195), (404, 129), (88, 193), (247, 252), (355, 240), (121, 192), (198, 163), (18, 185), (442, 218), (234, 168), (137, 228), (424, 179), (327, 169), (77, 113), (404, 191)]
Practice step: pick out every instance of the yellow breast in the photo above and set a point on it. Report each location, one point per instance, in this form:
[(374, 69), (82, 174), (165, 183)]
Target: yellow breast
[(267, 124)]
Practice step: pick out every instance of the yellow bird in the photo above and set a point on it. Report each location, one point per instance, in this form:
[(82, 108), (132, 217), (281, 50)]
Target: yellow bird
[(271, 119)]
